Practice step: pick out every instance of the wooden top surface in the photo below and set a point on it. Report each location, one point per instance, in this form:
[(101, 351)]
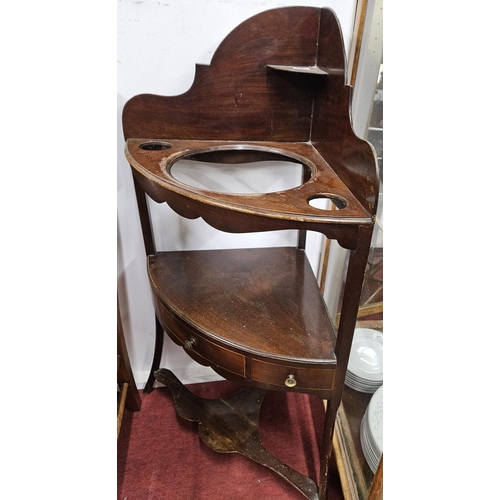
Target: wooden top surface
[(265, 301), (292, 204)]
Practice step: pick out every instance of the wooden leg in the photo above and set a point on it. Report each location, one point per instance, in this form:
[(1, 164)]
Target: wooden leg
[(327, 447), (156, 357), (121, 406), (377, 485), (231, 425)]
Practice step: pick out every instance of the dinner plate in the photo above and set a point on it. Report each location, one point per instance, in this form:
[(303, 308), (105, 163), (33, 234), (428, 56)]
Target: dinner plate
[(366, 358), (375, 418), (368, 451), (371, 434), (361, 385)]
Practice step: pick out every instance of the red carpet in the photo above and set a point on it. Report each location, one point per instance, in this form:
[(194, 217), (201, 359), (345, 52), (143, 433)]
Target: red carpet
[(160, 455)]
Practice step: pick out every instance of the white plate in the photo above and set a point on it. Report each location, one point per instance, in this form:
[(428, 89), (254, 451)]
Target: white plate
[(361, 386), (366, 360), (375, 418), (371, 456)]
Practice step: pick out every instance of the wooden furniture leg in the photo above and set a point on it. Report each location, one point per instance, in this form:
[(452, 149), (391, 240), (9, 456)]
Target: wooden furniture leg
[(327, 447), (378, 482), (159, 333), (129, 395)]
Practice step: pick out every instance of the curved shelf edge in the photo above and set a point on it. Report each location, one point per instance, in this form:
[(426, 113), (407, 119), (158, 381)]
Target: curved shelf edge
[(152, 168)]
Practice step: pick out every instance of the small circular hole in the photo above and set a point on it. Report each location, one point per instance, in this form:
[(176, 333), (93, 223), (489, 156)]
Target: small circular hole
[(155, 146), (322, 202)]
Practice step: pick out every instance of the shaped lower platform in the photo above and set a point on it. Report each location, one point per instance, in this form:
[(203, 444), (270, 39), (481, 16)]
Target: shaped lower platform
[(231, 425)]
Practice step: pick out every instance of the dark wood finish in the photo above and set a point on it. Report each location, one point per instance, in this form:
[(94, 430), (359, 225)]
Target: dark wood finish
[(275, 89), (232, 99), (155, 364), (249, 213), (231, 425), (234, 296), (306, 175)]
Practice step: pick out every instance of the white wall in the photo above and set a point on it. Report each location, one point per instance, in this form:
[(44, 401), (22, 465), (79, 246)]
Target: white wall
[(159, 43)]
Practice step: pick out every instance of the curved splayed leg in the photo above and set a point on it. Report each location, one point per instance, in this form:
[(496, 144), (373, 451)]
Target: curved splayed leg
[(156, 357), (231, 425)]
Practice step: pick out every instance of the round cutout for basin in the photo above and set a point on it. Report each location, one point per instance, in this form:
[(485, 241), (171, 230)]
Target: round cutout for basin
[(238, 171), (155, 146), (322, 202)]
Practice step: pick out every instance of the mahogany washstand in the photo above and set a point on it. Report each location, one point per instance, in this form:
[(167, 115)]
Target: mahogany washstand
[(274, 90)]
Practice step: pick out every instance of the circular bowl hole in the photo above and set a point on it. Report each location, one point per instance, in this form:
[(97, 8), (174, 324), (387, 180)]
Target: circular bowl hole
[(238, 170), (325, 202), (155, 146)]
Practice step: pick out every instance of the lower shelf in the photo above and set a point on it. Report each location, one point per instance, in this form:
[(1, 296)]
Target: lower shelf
[(256, 316)]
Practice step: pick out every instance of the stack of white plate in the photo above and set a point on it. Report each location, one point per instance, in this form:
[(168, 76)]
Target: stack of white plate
[(366, 367), (372, 430)]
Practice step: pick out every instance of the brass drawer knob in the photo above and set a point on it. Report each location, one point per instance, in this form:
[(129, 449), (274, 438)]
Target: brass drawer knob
[(190, 343), (290, 381)]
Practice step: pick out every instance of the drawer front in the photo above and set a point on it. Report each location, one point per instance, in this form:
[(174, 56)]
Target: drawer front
[(310, 379), (213, 353), (292, 377)]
